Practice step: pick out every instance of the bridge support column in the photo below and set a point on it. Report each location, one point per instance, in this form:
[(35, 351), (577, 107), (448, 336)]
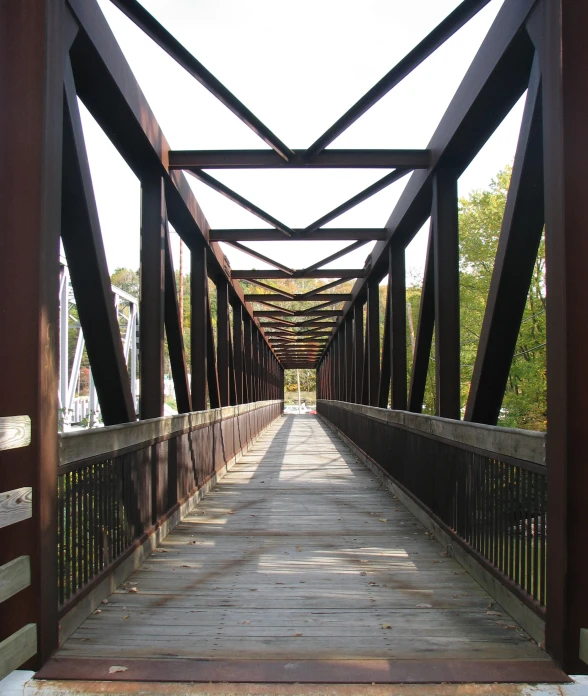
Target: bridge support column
[(199, 327), (559, 31), (32, 50), (151, 336)]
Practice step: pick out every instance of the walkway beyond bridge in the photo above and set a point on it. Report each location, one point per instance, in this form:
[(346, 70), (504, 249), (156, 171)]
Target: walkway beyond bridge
[(300, 566)]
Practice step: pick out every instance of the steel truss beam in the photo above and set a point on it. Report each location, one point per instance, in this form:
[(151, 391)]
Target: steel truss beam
[(323, 234), (329, 159)]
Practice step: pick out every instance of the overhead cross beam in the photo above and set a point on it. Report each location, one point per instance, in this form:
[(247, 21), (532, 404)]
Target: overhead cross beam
[(328, 234), (297, 298), (268, 159), (143, 19), (342, 273)]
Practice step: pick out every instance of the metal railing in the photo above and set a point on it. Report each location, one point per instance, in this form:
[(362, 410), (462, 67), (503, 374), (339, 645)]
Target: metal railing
[(486, 486), (116, 484)]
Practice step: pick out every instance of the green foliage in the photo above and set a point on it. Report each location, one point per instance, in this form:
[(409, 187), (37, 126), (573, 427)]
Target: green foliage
[(480, 218)]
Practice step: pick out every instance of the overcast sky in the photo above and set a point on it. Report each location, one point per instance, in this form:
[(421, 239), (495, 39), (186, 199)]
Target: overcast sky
[(298, 66)]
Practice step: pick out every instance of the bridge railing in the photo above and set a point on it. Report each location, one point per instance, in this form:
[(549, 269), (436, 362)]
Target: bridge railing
[(485, 486), (117, 486)]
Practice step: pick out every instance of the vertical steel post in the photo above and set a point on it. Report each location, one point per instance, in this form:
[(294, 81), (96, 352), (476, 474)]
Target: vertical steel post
[(199, 327), (152, 297), (373, 342), (446, 246), (564, 61), (31, 127), (222, 335), (397, 309)]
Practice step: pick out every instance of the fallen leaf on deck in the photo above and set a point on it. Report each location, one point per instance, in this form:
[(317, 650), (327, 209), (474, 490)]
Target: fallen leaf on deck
[(125, 617), (98, 611), (134, 589), (297, 635), (490, 613), (383, 519), (374, 584), (104, 601), (117, 668), (386, 626)]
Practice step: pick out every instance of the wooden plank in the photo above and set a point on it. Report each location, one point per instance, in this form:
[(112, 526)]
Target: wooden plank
[(14, 577), (15, 431), (17, 649), (15, 506)]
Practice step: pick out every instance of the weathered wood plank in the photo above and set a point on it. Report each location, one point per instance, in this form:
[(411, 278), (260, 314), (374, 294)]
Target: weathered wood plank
[(17, 649), (14, 577), (15, 506), (15, 431)]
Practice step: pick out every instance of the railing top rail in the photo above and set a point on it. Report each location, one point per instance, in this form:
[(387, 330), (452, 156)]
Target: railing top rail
[(83, 444), (526, 445)]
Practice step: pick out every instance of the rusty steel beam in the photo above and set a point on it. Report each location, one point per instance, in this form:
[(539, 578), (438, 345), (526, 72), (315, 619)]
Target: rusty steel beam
[(84, 250), (342, 273), (173, 331), (297, 298), (151, 305), (323, 234), (424, 337), (443, 31), (519, 240), (267, 159), (299, 313), (32, 47)]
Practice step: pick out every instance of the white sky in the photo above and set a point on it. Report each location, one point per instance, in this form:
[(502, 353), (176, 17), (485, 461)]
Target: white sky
[(298, 66)]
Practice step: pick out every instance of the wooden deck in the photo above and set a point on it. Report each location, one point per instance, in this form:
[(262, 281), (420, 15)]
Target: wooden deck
[(299, 554)]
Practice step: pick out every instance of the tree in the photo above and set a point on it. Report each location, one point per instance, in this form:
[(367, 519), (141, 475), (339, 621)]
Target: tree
[(480, 219)]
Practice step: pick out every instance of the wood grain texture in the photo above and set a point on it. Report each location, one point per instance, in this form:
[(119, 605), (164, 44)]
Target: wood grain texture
[(17, 649), (15, 431), (15, 506), (300, 554), (14, 577)]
